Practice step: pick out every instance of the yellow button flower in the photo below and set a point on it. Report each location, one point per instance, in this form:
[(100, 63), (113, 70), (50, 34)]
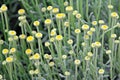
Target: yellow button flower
[(97, 44), (110, 6), (75, 12), (90, 54), (49, 8), (108, 51), (9, 59), (87, 58), (69, 8), (3, 8), (12, 50), (77, 31), (67, 73), (55, 10), (66, 24), (59, 37), (48, 22), (66, 3), (30, 39), (101, 71), (53, 33), (36, 23), (47, 44), (28, 51), (5, 51), (1, 42), (89, 33), (12, 33), (114, 15), (77, 62), (60, 15), (104, 27), (70, 41), (78, 16), (52, 39), (36, 56), (113, 36), (43, 9), (38, 35), (21, 11), (101, 22), (85, 27), (92, 29), (94, 23), (51, 64), (22, 36), (64, 56)]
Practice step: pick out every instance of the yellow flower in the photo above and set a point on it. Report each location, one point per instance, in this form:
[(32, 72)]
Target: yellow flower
[(117, 41), (9, 59), (48, 21), (94, 23), (43, 9), (36, 23), (31, 72), (113, 36), (90, 54), (77, 31), (21, 11), (104, 27), (5, 51), (101, 71), (75, 12), (46, 56), (93, 45), (67, 73), (36, 56), (12, 50), (30, 39), (78, 16), (1, 42), (47, 44), (38, 35), (10, 39), (114, 15), (15, 38), (85, 27), (101, 22), (49, 8), (3, 8), (53, 33), (55, 10), (89, 33), (22, 36), (92, 29), (1, 77), (71, 52), (70, 41), (28, 51), (52, 39), (64, 56), (60, 15), (108, 51), (12, 33), (22, 18), (36, 71), (66, 3), (110, 6), (83, 44), (86, 37), (66, 24), (87, 58), (77, 62), (59, 37), (97, 44), (69, 8), (51, 64)]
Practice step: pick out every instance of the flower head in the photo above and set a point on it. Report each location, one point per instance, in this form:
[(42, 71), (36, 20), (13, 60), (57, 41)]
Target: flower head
[(104, 27), (101, 71), (85, 27), (48, 22), (21, 11), (5, 51), (30, 39), (38, 35), (36, 23), (77, 62), (9, 59), (59, 37), (3, 8), (77, 31)]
